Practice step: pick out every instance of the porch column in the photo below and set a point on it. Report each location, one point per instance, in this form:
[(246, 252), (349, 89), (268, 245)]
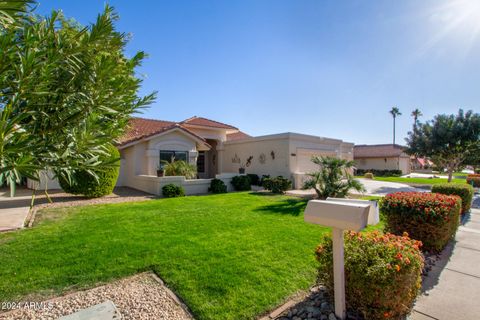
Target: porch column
[(220, 151), (153, 160)]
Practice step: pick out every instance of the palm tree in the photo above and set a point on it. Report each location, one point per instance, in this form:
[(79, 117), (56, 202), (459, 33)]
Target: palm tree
[(416, 114), (394, 112), (333, 179)]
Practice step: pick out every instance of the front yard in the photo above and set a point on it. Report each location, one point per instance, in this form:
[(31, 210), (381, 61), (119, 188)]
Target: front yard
[(230, 256)]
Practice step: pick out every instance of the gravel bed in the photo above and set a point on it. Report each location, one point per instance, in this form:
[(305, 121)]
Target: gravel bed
[(141, 296)]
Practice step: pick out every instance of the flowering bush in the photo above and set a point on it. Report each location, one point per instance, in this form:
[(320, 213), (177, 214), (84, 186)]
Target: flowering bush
[(464, 191), (474, 180), (429, 217), (382, 272)]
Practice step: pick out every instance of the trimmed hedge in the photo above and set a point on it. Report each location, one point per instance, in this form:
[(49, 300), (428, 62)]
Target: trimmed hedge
[(85, 184), (382, 273), (432, 218), (464, 191), (241, 183), (172, 191), (277, 185), (217, 186), (368, 175), (254, 179), (474, 180), (379, 173)]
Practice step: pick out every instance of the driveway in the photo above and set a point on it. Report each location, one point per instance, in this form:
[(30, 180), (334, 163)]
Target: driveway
[(381, 188)]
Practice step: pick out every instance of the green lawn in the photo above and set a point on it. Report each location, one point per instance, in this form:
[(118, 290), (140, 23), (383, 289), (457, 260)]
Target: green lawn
[(417, 181), (230, 256)]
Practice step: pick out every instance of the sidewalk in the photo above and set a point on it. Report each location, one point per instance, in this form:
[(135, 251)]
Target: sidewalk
[(14, 211), (452, 288)]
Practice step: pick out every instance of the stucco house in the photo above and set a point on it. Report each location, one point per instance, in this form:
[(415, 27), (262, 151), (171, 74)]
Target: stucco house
[(382, 157), (218, 150)]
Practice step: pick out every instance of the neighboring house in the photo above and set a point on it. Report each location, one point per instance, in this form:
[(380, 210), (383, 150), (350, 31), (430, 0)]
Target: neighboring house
[(218, 150), (382, 157), (421, 164)]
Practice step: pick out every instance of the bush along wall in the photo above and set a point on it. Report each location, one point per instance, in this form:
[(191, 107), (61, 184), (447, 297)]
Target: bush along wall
[(432, 218), (241, 183), (217, 186), (277, 185), (86, 184), (382, 273), (172, 191), (379, 173), (464, 191)]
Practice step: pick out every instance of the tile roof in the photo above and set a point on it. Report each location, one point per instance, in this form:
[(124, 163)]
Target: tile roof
[(204, 122), (378, 151), (140, 128), (237, 136)]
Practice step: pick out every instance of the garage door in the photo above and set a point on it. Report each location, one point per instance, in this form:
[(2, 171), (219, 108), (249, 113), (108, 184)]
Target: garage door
[(304, 157)]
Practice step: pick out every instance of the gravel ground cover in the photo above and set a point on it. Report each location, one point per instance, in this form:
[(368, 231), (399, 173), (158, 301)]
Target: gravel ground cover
[(142, 296)]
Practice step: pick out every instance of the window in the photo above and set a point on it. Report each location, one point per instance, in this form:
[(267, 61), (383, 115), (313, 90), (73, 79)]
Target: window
[(201, 162), (169, 156)]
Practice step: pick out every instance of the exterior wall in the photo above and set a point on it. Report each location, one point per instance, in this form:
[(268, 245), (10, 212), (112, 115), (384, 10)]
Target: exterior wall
[(236, 153), (391, 163), (153, 184), (46, 182)]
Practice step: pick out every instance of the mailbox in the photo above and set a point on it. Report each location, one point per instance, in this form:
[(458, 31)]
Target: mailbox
[(336, 214), (373, 214)]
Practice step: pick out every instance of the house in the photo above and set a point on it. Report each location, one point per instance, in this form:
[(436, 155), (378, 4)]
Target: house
[(218, 150), (421, 164), (382, 157)]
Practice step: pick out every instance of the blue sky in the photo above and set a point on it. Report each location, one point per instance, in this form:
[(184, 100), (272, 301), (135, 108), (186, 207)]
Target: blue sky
[(328, 68)]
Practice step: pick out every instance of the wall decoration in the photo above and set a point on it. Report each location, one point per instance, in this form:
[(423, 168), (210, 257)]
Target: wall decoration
[(262, 158), (272, 154), (236, 159), (249, 161)]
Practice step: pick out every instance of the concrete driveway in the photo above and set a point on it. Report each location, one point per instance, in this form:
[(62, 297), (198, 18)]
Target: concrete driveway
[(381, 188), (14, 211)]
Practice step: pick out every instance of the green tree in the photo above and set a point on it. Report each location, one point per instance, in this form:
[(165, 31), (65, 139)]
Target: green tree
[(416, 114), (447, 139), (333, 179), (395, 112), (66, 91)]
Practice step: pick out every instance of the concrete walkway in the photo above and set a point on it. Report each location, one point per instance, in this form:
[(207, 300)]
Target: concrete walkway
[(452, 288), (14, 211)]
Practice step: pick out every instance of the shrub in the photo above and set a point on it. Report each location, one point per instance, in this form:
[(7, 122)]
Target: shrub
[(429, 217), (241, 183), (180, 168), (382, 272), (86, 184), (172, 191), (217, 186), (474, 180), (464, 191), (254, 179), (368, 175), (379, 173), (277, 185), (262, 180)]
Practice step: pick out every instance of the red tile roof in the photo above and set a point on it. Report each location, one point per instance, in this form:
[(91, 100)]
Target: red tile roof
[(237, 136), (140, 128), (378, 151), (204, 122)]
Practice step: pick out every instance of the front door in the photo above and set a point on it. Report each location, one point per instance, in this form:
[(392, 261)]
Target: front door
[(201, 165)]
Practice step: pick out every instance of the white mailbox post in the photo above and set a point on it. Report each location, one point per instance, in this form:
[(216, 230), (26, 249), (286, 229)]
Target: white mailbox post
[(339, 215)]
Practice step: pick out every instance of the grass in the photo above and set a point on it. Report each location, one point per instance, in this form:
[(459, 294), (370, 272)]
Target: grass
[(418, 181), (230, 256)]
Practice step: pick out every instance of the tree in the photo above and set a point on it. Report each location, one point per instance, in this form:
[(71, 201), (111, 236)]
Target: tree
[(416, 114), (448, 139), (333, 179), (66, 92), (394, 112), (473, 159)]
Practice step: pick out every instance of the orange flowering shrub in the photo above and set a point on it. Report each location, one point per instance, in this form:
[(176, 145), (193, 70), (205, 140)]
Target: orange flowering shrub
[(382, 272), (432, 218)]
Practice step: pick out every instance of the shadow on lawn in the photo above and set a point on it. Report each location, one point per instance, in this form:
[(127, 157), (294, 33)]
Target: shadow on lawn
[(293, 207)]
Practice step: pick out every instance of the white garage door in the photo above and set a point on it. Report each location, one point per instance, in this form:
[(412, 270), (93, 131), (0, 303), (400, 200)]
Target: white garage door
[(304, 158)]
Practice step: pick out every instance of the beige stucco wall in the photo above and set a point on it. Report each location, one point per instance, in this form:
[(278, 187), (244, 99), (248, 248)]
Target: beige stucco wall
[(391, 163)]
